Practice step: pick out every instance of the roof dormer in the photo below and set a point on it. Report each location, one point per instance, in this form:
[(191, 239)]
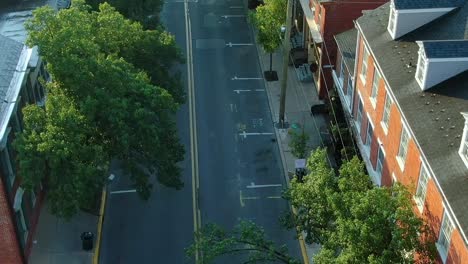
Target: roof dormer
[(408, 15), (464, 143), (440, 60)]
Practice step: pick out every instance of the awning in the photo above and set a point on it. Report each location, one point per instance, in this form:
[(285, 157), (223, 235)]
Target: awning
[(314, 31)]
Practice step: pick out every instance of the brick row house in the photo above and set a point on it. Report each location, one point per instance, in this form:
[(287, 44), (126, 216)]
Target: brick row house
[(317, 21), (402, 79), (20, 71)]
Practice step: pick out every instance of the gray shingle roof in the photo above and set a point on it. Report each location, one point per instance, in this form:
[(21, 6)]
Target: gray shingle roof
[(420, 4), (346, 42), (10, 52), (433, 116), (446, 49)]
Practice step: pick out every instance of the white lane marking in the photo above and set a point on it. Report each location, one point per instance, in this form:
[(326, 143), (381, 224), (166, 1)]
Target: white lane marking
[(235, 7), (123, 191), (228, 16), (235, 78), (252, 185), (256, 90), (232, 107), (230, 44), (245, 134), (239, 91)]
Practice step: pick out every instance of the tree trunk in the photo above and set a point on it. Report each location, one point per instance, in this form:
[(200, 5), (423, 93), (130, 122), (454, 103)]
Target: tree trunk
[(271, 62)]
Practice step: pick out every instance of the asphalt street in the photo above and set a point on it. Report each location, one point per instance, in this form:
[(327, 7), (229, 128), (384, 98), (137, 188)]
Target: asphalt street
[(158, 230), (240, 174), (239, 163)]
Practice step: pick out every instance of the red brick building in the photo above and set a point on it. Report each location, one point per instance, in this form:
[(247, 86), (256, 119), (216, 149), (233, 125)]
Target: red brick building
[(20, 69), (318, 21), (402, 79)]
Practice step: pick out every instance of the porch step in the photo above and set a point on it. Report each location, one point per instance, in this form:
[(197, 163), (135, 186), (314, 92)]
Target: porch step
[(297, 41), (303, 73)]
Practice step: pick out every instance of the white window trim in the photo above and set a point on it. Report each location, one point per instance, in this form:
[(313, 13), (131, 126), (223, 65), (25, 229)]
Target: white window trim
[(358, 122), (342, 72), (380, 149), (365, 60), (33, 198), (421, 61), (418, 200), (464, 141), (399, 159), (367, 144), (392, 20), (382, 123), (394, 178), (444, 252), (375, 90), (348, 96)]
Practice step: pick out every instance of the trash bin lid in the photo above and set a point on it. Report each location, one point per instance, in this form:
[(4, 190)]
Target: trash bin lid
[(300, 163)]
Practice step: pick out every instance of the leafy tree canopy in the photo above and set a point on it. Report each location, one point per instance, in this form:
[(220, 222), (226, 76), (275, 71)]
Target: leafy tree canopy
[(268, 19), (245, 239), (354, 221), (144, 11), (80, 32), (62, 142), (120, 112)]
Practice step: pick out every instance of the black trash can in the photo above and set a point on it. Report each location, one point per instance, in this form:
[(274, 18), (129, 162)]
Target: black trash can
[(87, 240)]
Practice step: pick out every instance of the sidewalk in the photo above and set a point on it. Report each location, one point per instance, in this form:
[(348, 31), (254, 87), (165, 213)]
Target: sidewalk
[(300, 96), (57, 241)]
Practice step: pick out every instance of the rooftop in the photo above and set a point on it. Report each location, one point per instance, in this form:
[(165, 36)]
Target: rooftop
[(422, 4), (446, 49), (346, 42), (434, 115), (14, 13)]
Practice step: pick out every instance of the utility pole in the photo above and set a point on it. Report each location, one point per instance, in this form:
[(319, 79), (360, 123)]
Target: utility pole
[(286, 50)]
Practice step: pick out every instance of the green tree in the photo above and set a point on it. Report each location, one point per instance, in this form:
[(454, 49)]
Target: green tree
[(132, 119), (144, 11), (354, 221), (245, 239), (102, 33), (268, 19), (298, 143), (62, 143)]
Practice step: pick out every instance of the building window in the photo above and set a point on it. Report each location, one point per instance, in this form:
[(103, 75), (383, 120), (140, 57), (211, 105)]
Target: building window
[(350, 91), (359, 114), (380, 161), (365, 57), (369, 135), (444, 236), (392, 20), (421, 68), (463, 151), (386, 113), (342, 72), (421, 190), (33, 198), (375, 87), (403, 149)]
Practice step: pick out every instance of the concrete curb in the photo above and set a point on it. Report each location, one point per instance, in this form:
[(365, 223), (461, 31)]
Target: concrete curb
[(102, 209)]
